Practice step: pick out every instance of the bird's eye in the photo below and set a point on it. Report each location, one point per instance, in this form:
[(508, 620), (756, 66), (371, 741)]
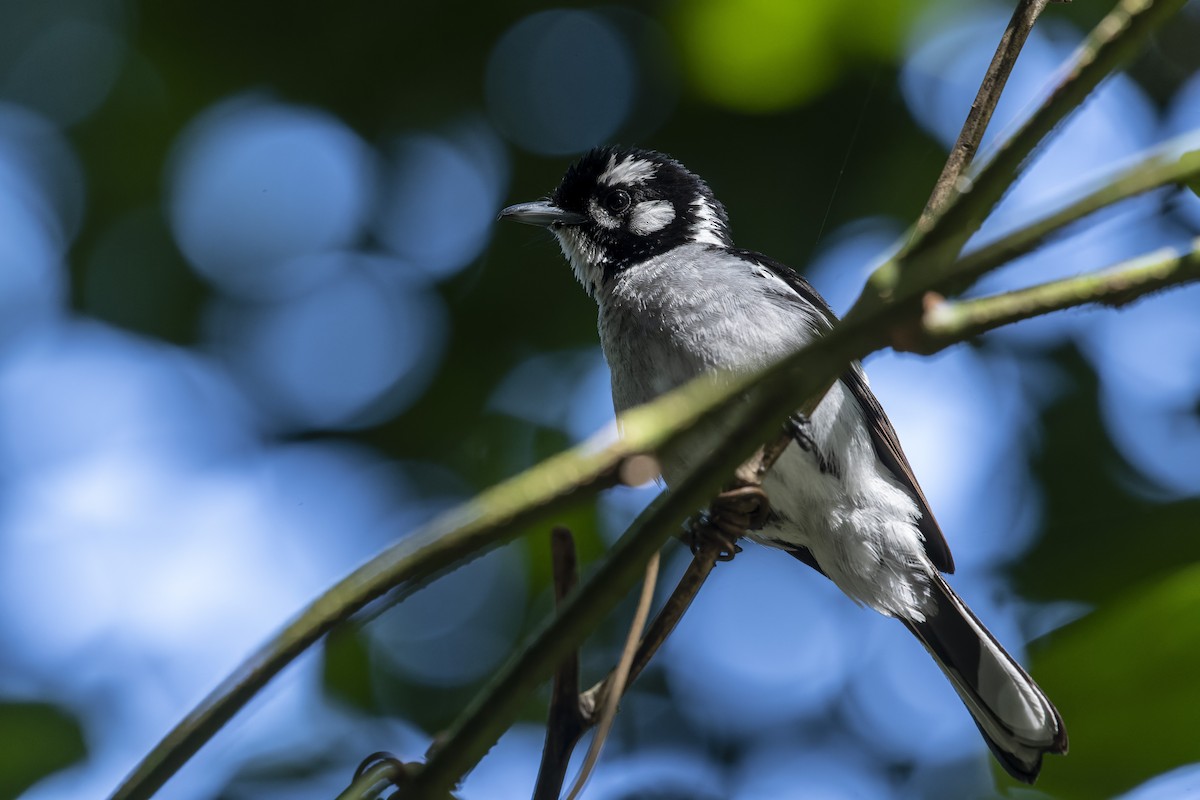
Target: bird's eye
[(617, 201)]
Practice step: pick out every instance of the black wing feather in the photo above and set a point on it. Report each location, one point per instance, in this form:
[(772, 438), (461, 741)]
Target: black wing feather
[(883, 435)]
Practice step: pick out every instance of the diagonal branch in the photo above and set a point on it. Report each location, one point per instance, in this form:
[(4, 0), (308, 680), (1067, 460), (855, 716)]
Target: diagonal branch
[(668, 617), (984, 105), (927, 259), (573, 714), (1170, 163), (949, 322)]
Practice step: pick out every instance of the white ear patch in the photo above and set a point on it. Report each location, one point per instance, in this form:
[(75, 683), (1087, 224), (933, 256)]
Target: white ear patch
[(651, 216), (629, 171)]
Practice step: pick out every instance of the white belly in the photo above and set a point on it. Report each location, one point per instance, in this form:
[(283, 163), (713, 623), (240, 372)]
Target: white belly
[(858, 523)]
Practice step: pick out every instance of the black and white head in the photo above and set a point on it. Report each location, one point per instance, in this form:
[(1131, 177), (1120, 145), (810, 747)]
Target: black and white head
[(617, 207)]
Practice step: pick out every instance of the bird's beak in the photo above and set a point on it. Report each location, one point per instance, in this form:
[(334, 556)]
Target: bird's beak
[(542, 213)]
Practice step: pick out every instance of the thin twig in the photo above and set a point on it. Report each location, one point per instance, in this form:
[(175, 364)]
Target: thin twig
[(573, 714), (1169, 163), (964, 149), (565, 724), (949, 322), (609, 701), (928, 258), (665, 621)]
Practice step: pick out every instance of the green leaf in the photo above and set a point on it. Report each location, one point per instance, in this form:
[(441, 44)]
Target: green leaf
[(346, 666), (36, 740), (1125, 680)]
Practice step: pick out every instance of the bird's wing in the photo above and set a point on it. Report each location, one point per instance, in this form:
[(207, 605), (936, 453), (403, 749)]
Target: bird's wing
[(883, 435)]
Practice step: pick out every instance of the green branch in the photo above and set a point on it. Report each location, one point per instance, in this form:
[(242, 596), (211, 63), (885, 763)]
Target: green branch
[(1162, 166), (807, 373), (986, 99), (929, 256), (497, 516), (950, 322)]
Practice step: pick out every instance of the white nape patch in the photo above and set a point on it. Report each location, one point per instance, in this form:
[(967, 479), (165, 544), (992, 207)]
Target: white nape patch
[(601, 216), (708, 228), (628, 172), (651, 216), (587, 259)]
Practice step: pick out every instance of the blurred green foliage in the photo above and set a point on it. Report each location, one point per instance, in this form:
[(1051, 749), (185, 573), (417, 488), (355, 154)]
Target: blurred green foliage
[(1125, 677), (769, 55), (36, 739)]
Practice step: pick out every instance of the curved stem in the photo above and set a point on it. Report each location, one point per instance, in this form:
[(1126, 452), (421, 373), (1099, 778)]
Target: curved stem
[(1162, 166), (949, 322)]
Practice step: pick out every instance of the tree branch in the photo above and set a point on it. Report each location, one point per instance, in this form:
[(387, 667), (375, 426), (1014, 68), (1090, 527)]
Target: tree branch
[(1169, 163), (565, 724), (950, 322), (984, 105), (605, 704), (572, 714), (926, 261), (667, 618)]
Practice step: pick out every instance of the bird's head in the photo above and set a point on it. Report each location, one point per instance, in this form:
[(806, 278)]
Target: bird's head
[(617, 207)]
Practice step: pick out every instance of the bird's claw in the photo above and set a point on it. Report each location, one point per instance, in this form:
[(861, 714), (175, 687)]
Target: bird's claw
[(746, 506), (703, 530), (732, 514)]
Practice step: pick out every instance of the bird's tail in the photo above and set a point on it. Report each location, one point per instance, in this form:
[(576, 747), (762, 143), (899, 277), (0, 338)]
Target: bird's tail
[(1016, 718)]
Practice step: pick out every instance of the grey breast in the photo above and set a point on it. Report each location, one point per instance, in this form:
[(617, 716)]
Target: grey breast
[(694, 309)]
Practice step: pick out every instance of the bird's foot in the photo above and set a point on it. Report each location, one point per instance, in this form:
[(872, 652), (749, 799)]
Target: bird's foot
[(748, 507), (731, 515), (705, 529)]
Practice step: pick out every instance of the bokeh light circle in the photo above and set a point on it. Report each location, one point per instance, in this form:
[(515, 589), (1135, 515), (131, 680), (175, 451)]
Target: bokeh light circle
[(774, 629), (440, 198), (40, 198), (458, 628), (560, 81), (67, 68), (783, 769), (255, 183), (356, 347)]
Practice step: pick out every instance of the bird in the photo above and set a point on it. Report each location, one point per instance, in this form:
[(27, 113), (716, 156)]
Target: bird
[(651, 244)]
